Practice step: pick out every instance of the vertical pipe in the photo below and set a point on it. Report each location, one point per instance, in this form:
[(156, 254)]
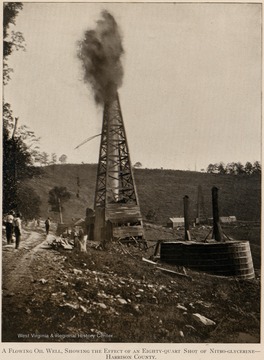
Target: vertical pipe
[(217, 231), (186, 217), (112, 152)]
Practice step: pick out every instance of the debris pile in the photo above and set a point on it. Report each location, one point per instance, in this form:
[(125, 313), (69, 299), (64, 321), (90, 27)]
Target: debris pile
[(63, 243)]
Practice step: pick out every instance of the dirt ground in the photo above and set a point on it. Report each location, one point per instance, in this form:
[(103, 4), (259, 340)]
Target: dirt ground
[(113, 296)]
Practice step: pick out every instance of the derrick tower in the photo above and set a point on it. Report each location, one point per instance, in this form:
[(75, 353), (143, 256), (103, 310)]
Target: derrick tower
[(117, 211)]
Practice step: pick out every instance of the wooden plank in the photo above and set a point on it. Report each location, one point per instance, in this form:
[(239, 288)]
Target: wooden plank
[(122, 206), (123, 217), (167, 270), (123, 221), (149, 261), (174, 272), (127, 231)]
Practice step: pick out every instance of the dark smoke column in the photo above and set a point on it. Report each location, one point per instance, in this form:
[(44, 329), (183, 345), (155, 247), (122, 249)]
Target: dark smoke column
[(100, 52), (116, 201)]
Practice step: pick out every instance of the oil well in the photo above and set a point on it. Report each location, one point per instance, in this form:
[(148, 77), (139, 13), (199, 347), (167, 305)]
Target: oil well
[(116, 205), (117, 211)]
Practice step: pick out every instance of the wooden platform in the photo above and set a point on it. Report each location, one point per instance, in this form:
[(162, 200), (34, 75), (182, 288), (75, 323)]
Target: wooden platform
[(126, 220)]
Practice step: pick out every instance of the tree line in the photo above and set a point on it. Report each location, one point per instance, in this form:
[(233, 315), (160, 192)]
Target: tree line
[(235, 168), (44, 159)]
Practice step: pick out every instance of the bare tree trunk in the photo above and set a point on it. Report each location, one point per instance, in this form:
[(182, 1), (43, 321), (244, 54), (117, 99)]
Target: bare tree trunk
[(61, 220), (82, 243)]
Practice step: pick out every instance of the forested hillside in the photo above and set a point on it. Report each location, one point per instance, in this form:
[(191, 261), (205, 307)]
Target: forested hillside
[(160, 192)]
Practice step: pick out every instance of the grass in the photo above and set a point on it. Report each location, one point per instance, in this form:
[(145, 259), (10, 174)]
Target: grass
[(85, 291), (158, 190)]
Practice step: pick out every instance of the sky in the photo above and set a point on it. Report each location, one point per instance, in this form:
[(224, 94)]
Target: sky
[(191, 92)]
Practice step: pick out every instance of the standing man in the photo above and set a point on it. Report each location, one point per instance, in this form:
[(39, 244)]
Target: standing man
[(18, 229), (9, 226), (47, 225)]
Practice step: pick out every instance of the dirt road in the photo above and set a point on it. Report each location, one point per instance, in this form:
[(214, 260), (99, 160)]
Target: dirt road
[(24, 271)]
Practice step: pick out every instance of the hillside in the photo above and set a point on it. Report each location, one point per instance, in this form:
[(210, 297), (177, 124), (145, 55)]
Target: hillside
[(161, 191), (114, 296)]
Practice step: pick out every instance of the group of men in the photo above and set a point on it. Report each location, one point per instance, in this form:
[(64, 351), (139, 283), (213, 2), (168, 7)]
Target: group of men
[(13, 226)]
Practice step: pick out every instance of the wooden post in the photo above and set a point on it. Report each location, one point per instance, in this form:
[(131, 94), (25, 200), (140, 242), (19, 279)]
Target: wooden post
[(186, 217), (217, 230), (99, 223), (109, 231), (83, 243), (89, 223)]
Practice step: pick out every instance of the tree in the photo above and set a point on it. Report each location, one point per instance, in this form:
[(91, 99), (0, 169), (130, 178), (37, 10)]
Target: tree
[(239, 168), (31, 141), (17, 166), (221, 168), (29, 202), (44, 158), (53, 158), (235, 168), (151, 215), (137, 165), (19, 143), (17, 158), (248, 168), (57, 196), (63, 159), (256, 168), (212, 168), (230, 168), (12, 40)]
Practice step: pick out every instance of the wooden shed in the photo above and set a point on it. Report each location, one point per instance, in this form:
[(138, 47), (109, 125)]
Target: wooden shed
[(175, 222)]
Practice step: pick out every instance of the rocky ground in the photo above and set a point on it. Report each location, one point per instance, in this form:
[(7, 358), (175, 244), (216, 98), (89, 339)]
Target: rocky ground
[(114, 296)]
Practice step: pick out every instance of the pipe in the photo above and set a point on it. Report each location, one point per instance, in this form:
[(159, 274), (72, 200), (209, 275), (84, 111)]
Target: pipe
[(186, 217), (217, 230)]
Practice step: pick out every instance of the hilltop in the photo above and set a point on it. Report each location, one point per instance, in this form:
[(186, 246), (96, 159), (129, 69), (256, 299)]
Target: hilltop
[(159, 191)]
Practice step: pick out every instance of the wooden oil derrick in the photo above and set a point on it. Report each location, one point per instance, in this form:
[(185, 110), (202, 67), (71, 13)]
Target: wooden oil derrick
[(201, 216), (117, 211)]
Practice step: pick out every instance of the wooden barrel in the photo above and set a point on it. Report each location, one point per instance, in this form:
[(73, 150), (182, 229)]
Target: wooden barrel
[(232, 258)]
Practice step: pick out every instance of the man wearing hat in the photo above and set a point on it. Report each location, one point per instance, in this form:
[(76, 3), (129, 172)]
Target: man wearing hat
[(9, 226), (18, 229)]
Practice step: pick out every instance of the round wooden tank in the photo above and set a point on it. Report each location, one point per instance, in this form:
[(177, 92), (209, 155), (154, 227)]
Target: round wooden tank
[(230, 258)]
